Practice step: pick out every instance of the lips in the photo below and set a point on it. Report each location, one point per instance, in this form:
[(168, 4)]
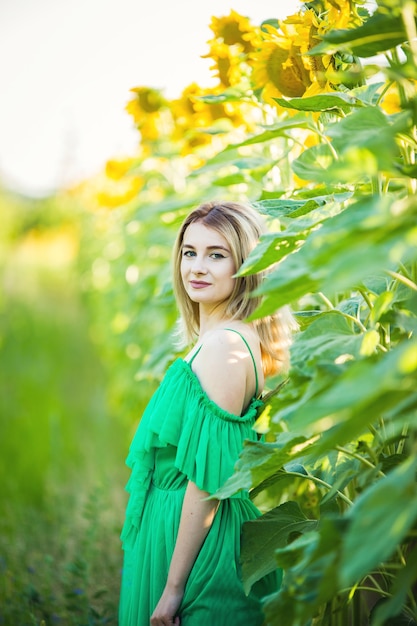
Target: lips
[(198, 284)]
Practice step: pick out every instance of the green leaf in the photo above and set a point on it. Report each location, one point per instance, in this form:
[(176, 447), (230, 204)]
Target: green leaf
[(297, 283), (261, 257), (270, 21), (322, 102), (364, 142), (366, 129), (250, 163), (329, 336), (370, 341), (282, 478), (258, 461), (297, 207), (337, 470), (346, 249), (230, 161), (224, 158), (377, 526), (404, 410), (310, 564), (408, 170), (229, 95), (380, 32), (406, 321), (363, 392), (231, 179), (368, 94), (261, 537), (276, 130), (171, 203), (283, 207), (314, 163), (381, 305), (376, 283), (357, 165), (273, 247), (392, 606)]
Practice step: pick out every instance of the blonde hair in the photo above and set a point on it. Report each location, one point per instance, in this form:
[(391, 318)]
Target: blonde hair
[(242, 227)]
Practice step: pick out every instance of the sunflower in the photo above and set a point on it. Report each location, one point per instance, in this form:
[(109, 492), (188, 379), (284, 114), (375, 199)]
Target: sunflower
[(116, 169), (234, 38), (390, 101), (335, 14), (227, 64), (233, 30), (189, 118), (197, 122), (191, 111), (146, 100), (113, 193), (279, 68), (282, 65), (150, 111), (394, 94)]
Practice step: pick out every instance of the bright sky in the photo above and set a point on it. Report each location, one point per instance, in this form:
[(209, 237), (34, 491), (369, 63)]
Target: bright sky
[(66, 67)]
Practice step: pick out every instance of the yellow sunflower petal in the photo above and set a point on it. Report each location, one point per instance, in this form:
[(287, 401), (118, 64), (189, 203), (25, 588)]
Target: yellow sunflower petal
[(232, 30)]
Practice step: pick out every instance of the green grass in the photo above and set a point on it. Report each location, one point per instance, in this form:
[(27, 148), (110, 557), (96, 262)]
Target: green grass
[(61, 460)]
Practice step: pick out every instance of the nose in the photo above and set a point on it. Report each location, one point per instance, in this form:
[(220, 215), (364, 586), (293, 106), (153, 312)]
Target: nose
[(198, 266)]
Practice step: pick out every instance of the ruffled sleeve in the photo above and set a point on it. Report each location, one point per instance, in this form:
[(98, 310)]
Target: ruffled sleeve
[(211, 439), (208, 439)]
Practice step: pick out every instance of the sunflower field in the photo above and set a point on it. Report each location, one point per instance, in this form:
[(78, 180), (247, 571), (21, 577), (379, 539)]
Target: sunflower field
[(312, 119)]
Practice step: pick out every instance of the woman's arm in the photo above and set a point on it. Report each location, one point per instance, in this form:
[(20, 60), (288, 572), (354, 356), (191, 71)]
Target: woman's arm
[(196, 519)]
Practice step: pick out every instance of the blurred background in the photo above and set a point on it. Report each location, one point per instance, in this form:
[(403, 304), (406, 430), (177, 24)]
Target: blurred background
[(69, 399)]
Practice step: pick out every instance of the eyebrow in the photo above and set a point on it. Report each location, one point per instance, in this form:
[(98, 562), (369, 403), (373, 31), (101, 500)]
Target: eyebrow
[(187, 245)]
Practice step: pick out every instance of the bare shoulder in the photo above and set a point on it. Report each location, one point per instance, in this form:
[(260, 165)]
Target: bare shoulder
[(221, 339), (225, 369)]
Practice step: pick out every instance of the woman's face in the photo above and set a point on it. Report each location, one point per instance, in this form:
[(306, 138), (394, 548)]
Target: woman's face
[(207, 266)]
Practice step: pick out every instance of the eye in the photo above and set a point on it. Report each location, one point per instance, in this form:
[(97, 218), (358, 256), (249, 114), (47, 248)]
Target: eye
[(217, 255), (188, 253)]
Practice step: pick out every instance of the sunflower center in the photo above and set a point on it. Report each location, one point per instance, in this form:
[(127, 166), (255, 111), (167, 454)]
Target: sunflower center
[(292, 79)]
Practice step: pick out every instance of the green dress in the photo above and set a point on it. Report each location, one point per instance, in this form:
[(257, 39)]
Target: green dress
[(182, 436)]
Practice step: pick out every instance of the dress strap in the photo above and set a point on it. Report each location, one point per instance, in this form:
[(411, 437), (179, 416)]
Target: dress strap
[(253, 358), (194, 355)]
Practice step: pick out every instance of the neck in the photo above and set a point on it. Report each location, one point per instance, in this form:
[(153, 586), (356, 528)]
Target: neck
[(210, 320)]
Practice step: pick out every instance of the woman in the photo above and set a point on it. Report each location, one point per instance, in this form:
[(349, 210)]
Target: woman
[(182, 548)]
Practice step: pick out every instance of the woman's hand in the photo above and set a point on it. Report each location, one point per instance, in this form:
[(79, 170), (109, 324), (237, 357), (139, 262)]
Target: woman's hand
[(165, 613)]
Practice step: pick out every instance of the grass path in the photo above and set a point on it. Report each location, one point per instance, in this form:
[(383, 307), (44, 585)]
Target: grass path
[(61, 458)]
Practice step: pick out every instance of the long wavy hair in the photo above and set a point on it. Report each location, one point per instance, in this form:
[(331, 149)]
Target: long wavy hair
[(241, 225)]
